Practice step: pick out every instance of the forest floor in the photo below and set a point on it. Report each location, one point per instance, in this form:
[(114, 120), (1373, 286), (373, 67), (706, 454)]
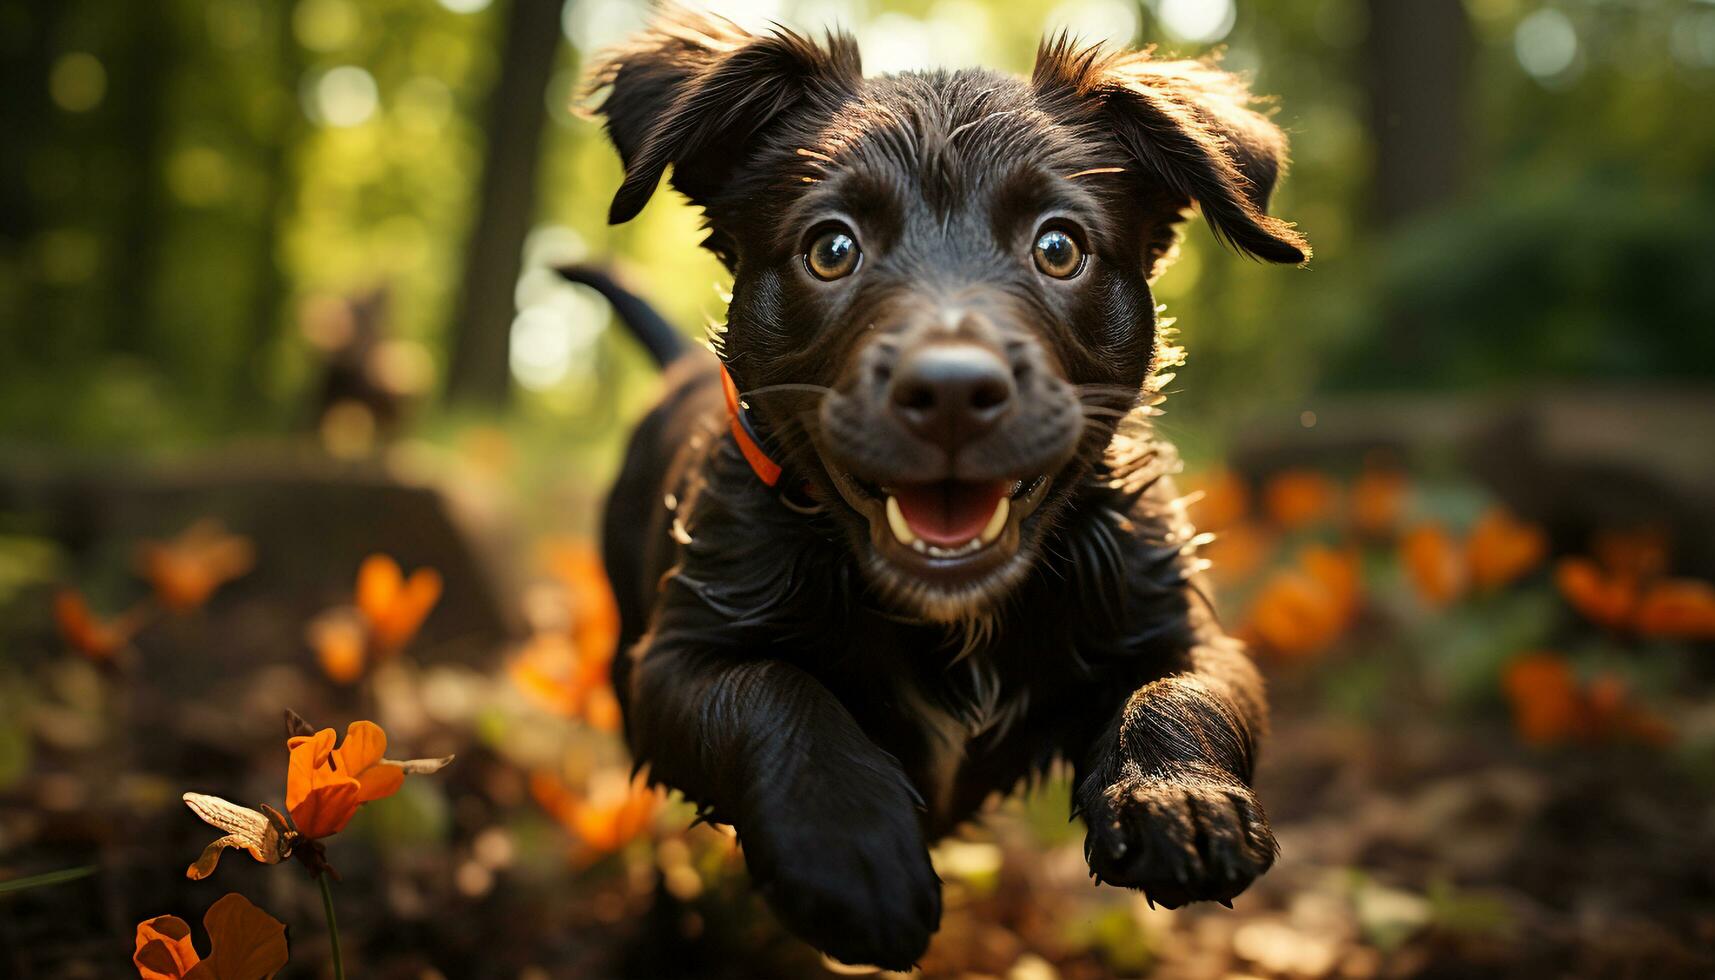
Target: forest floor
[(1423, 832)]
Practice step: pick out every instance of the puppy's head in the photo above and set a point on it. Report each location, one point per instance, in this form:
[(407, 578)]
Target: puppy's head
[(954, 265)]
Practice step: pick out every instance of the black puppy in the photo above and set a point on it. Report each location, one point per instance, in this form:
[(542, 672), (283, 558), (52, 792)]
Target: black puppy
[(923, 545)]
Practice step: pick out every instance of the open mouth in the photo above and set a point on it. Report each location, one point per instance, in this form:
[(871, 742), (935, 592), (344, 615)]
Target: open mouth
[(945, 527), (949, 518)]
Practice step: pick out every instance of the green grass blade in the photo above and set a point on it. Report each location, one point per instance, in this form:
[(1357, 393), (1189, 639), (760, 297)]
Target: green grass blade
[(49, 878)]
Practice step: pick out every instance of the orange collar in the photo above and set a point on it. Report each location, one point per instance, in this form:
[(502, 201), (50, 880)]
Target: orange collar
[(766, 469)]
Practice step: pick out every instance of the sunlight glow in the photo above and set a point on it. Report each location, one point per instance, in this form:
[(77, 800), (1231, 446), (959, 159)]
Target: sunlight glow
[(1113, 21), (1200, 21), (345, 96), (1546, 44)]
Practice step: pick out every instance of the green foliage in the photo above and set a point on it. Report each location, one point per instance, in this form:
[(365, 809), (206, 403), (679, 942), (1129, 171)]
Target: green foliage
[(190, 173)]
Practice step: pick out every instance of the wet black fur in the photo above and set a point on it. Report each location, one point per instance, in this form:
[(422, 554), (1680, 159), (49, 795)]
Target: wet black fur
[(771, 671)]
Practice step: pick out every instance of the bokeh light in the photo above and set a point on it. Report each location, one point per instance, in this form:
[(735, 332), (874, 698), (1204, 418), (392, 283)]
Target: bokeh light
[(1546, 44), (343, 96), (1114, 21), (77, 82), (1198, 21)]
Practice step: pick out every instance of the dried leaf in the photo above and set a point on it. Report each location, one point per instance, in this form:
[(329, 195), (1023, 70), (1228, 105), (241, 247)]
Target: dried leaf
[(296, 725), (420, 767), (248, 829)]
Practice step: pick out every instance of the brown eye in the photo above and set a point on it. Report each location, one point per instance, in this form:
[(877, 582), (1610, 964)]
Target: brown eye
[(1057, 254), (833, 254)]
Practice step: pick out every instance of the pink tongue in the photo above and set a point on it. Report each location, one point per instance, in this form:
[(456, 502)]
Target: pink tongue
[(949, 513)]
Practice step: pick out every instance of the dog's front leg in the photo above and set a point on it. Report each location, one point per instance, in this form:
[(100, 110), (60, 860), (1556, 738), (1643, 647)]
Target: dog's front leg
[(827, 819), (1165, 788)]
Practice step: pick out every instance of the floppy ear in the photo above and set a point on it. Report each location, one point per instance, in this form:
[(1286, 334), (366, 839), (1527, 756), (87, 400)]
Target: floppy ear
[(1189, 124), (692, 90)]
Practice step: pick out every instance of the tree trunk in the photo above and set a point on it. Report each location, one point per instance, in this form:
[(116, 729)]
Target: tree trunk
[(1419, 58), (494, 253), (1418, 62)]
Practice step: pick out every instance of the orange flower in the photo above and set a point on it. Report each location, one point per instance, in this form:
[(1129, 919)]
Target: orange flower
[(1378, 499), (1220, 500), (186, 570), (1303, 610), (566, 679), (1604, 600), (595, 612), (612, 814), (1298, 498), (1433, 563), (95, 638), (392, 605), (1237, 552), (338, 638), (1545, 698), (1502, 549), (1679, 608), (326, 785), (1551, 707), (245, 943)]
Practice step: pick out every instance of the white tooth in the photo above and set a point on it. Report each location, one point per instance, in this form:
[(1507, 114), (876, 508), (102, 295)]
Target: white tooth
[(997, 521), (920, 547), (896, 522)]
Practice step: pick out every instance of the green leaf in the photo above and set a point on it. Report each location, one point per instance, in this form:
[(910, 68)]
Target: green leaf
[(47, 878)]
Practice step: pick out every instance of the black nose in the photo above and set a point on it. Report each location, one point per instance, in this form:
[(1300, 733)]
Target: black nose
[(951, 393)]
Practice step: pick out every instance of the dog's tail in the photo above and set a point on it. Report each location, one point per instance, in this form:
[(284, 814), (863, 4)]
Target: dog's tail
[(664, 344)]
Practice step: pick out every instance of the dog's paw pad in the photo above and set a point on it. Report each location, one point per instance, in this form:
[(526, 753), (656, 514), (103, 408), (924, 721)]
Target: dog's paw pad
[(1179, 840)]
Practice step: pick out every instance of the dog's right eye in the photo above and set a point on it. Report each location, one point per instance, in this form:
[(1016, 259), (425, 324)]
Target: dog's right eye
[(833, 254)]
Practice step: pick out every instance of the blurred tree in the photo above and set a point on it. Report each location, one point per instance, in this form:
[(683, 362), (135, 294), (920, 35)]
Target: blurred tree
[(1417, 66), (506, 206)]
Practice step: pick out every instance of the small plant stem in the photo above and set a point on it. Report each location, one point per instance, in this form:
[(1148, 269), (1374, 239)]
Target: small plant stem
[(333, 926)]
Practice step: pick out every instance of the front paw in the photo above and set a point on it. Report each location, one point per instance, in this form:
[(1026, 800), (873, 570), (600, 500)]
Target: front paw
[(857, 887), (1178, 838)]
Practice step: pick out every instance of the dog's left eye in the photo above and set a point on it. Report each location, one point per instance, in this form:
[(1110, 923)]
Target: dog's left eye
[(833, 254), (1057, 253)]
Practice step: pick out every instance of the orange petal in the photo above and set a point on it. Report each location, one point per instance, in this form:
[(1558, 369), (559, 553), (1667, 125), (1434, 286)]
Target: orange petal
[(392, 625), (1682, 608), (378, 584), (327, 809), (320, 799), (1292, 615), (1378, 499), (338, 640), (1547, 704), (365, 743), (164, 950), (1604, 600), (246, 942), (1433, 563), (85, 633), (1297, 498), (1502, 549), (602, 710), (379, 782), (1224, 501), (1238, 552)]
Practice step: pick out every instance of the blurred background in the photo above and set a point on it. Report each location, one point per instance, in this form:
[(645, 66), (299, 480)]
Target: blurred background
[(294, 414)]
